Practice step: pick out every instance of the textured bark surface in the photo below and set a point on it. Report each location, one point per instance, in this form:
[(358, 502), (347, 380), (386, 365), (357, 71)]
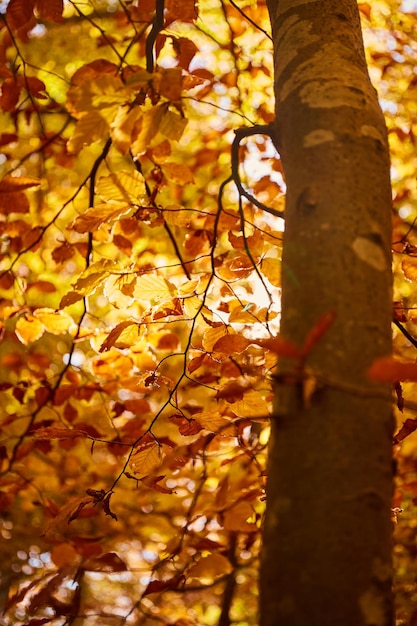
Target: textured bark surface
[(327, 541)]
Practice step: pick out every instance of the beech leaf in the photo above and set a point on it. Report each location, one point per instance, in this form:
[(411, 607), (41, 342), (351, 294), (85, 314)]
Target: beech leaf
[(388, 369)]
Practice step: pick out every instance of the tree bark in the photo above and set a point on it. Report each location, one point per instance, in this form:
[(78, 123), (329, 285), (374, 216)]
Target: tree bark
[(327, 542)]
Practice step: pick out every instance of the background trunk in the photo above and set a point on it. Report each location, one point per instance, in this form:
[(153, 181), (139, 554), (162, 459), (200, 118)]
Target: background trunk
[(327, 540)]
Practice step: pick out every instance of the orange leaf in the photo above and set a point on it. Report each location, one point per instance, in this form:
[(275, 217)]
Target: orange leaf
[(64, 554), (409, 267), (145, 459), (387, 369), (17, 183), (178, 173), (317, 332), (236, 518), (231, 343)]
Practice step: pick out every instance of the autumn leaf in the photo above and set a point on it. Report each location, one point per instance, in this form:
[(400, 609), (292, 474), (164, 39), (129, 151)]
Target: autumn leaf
[(178, 173), (210, 567), (231, 343), (146, 458), (408, 427), (19, 13), (51, 432), (388, 369), (236, 518), (29, 329)]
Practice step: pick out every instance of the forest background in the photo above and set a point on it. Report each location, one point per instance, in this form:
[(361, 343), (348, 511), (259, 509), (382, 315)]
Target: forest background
[(140, 299)]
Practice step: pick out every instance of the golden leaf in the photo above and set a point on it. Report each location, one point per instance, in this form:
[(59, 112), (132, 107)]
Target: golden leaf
[(105, 213), (145, 459), (150, 122), (122, 127), (150, 287), (90, 127), (172, 125), (212, 335), (29, 329), (210, 567), (55, 322), (124, 335), (251, 405), (271, 269), (126, 186)]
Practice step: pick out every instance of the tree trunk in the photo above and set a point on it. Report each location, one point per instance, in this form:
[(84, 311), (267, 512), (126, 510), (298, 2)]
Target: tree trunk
[(327, 540)]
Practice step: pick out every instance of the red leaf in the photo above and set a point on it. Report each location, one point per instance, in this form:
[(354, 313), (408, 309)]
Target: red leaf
[(387, 369), (317, 332)]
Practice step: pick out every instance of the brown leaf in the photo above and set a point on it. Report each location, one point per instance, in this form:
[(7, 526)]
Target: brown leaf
[(50, 10), (19, 13), (408, 427)]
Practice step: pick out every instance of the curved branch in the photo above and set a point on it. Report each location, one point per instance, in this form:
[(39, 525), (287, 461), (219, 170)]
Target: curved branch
[(240, 133)]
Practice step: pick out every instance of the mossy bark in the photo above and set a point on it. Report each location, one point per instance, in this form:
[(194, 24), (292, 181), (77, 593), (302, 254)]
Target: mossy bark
[(327, 540)]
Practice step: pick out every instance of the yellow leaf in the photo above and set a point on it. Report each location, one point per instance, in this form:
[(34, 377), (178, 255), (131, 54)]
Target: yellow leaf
[(55, 322), (212, 335), (88, 284), (252, 405), (176, 215), (90, 127), (178, 173), (271, 269), (150, 287), (123, 335), (126, 186), (122, 128), (29, 329), (210, 567), (150, 122), (215, 423), (172, 125)]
